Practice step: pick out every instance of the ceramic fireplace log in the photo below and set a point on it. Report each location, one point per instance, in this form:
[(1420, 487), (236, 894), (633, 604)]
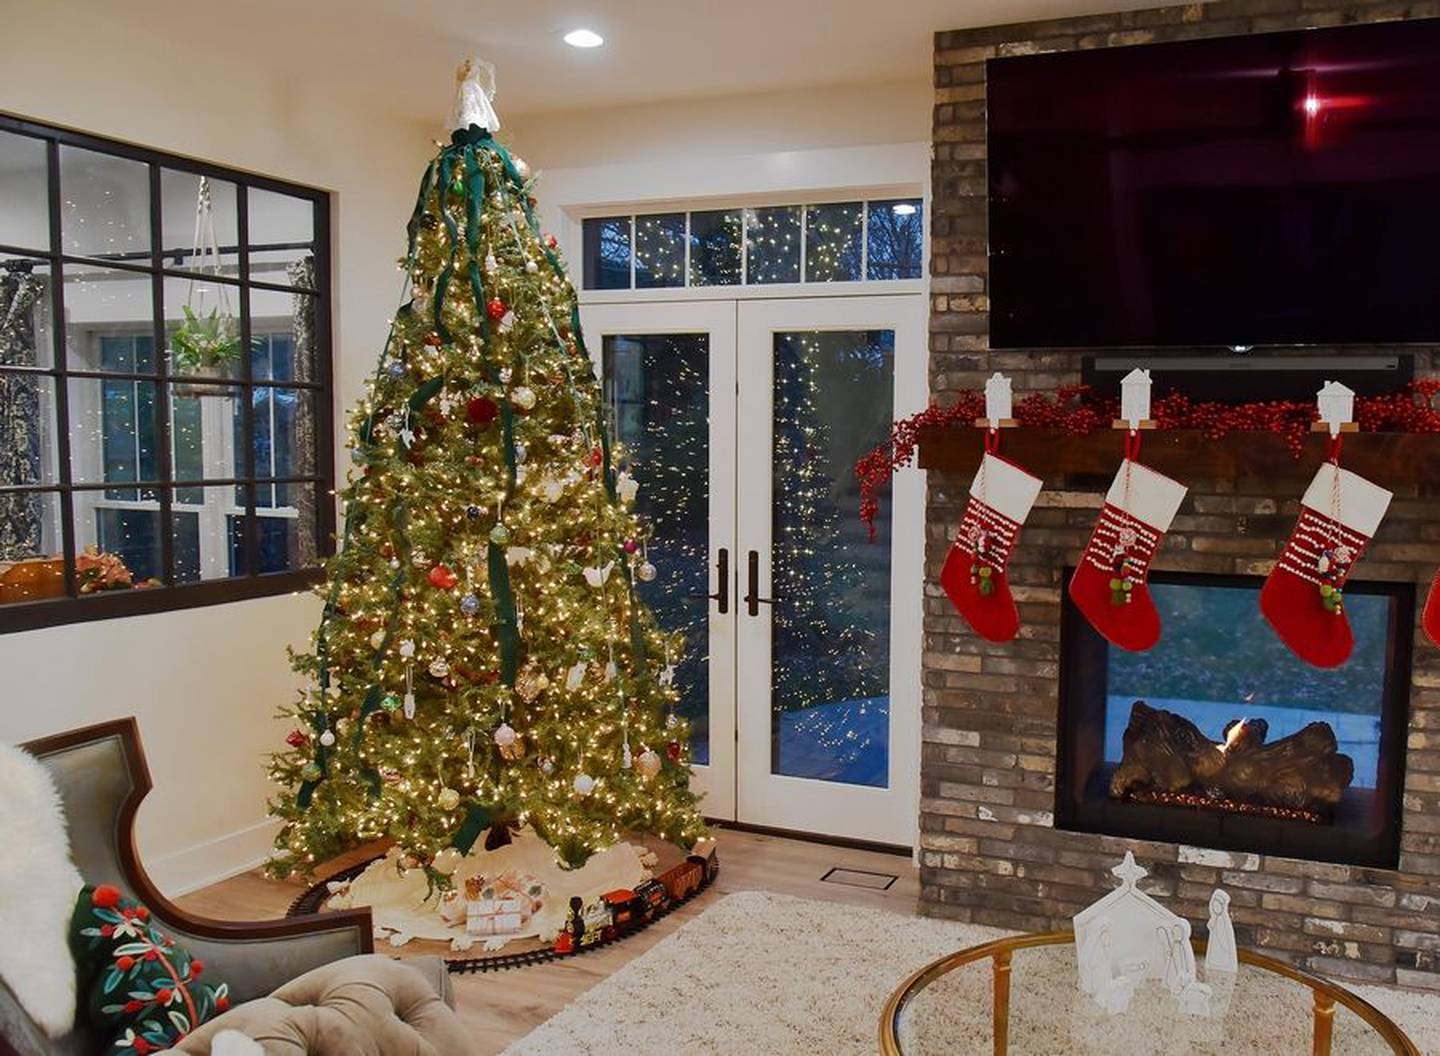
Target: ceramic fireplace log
[(1166, 751)]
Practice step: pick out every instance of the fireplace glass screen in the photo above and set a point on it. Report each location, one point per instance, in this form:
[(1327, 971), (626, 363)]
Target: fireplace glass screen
[(1221, 737)]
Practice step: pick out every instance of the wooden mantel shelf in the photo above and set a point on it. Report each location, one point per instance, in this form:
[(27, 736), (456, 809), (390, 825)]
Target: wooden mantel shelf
[(1389, 459)]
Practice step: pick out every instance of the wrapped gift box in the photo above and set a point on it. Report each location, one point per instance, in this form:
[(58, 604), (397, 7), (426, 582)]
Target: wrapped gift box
[(494, 916)]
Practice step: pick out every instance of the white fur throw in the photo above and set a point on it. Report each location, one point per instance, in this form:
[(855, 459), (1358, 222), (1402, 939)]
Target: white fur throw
[(38, 886), (233, 1043)]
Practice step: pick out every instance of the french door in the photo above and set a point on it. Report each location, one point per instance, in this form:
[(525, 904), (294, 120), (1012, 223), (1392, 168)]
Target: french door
[(743, 420)]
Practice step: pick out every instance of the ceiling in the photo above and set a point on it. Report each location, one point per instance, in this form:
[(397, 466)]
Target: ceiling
[(399, 55)]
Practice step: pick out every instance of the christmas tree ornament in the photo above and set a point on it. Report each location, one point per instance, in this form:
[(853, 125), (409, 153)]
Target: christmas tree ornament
[(395, 369), (1303, 597), (491, 264), (646, 572), (673, 751), (547, 766), (576, 675), (530, 683), (552, 243), (439, 668), (407, 649), (442, 578), (448, 799), (598, 576), (584, 784), (671, 720), (626, 487), (507, 322), (377, 639), (407, 706), (518, 556), (648, 764), (390, 702), (296, 739), (974, 576), (504, 735), (327, 738), (630, 546), (523, 397), (500, 535), (310, 771), (481, 411), (531, 267), (419, 559), (474, 512), (469, 604), (667, 675), (1110, 585), (496, 309)]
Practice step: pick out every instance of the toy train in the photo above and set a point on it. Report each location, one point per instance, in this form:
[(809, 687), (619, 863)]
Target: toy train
[(618, 912)]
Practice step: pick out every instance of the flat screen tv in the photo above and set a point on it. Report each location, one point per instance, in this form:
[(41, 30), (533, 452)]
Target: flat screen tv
[(1279, 189)]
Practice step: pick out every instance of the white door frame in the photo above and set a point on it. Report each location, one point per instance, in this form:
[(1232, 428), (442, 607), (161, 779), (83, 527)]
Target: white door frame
[(715, 780), (885, 815)]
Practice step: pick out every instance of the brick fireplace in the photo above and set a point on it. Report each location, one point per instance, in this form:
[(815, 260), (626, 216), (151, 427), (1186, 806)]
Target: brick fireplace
[(991, 849)]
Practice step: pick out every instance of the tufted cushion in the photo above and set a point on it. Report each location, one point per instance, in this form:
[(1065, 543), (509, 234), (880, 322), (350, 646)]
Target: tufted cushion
[(361, 1006)]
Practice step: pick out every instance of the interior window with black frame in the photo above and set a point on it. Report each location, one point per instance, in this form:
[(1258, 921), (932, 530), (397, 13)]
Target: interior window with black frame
[(165, 421)]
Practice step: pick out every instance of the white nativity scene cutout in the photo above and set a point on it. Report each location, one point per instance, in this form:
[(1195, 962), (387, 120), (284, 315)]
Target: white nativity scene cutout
[(1127, 938)]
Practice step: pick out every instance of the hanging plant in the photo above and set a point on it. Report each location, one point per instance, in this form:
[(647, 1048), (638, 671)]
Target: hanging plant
[(203, 343)]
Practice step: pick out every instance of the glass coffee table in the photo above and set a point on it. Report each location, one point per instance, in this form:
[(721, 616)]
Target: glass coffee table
[(1019, 995)]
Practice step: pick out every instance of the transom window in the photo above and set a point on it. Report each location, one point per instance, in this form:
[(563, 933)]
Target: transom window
[(869, 241), (165, 423)]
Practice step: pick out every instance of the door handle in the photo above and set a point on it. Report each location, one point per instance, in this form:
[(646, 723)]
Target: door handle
[(753, 600), (722, 574)]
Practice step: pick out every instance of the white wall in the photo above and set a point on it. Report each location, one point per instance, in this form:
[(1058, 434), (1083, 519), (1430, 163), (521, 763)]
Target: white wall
[(204, 683)]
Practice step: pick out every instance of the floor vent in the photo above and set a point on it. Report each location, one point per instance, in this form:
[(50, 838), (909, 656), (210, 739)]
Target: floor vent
[(859, 878)]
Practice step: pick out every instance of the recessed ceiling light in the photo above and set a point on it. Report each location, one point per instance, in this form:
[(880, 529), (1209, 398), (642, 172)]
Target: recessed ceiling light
[(584, 38), (903, 209)]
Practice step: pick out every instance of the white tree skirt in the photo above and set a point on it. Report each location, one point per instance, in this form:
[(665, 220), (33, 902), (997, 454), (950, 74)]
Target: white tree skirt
[(401, 911), (765, 973)]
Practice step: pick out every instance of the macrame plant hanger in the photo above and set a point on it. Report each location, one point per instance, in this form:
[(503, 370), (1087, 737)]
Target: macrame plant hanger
[(208, 340)]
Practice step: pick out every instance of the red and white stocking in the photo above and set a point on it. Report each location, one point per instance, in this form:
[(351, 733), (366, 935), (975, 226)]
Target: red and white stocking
[(1304, 597), (974, 578), (1431, 619), (1109, 586)]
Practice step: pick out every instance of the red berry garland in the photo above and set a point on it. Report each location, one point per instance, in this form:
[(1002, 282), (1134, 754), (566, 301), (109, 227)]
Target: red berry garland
[(1077, 412)]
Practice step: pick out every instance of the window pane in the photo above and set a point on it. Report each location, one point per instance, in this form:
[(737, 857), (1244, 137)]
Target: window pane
[(202, 328), (897, 239), (772, 244), (118, 544), (113, 435), (105, 205), (203, 533), (109, 319), (25, 311), (607, 253), (657, 394), (830, 632), (285, 535), (660, 250), (282, 238), (200, 428), (832, 242), (284, 443), (180, 215), (32, 565), (24, 203), (715, 247), (282, 331), (27, 430)]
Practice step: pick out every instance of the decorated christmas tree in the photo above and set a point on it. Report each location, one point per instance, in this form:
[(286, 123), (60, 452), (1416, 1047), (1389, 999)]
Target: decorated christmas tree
[(482, 662)]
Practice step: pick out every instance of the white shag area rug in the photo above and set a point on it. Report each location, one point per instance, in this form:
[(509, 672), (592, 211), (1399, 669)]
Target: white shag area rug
[(761, 973)]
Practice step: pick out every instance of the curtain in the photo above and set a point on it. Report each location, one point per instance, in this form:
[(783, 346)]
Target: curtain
[(20, 439), (303, 551)]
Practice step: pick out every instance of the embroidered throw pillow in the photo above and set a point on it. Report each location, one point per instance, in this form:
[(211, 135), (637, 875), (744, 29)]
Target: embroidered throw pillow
[(136, 983)]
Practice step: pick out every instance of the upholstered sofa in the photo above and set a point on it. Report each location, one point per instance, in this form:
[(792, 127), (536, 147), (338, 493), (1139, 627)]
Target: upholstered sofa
[(303, 985)]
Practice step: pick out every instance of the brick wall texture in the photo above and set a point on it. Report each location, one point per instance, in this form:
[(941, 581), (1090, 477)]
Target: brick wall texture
[(990, 851)]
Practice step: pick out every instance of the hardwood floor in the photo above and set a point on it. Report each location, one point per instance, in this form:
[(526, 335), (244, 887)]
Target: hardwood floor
[(503, 1006)]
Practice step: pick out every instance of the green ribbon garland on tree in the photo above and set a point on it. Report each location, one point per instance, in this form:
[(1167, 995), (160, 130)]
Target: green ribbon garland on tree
[(506, 629), (442, 282)]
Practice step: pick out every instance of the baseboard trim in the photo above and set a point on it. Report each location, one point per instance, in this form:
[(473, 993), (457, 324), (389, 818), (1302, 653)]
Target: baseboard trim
[(814, 837), (202, 864)]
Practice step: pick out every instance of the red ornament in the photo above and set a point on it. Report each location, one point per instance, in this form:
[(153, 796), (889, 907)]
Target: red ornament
[(673, 751), (433, 339), (551, 242), (496, 309), (296, 738), (597, 457), (106, 896), (442, 578), (631, 546), (481, 411)]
